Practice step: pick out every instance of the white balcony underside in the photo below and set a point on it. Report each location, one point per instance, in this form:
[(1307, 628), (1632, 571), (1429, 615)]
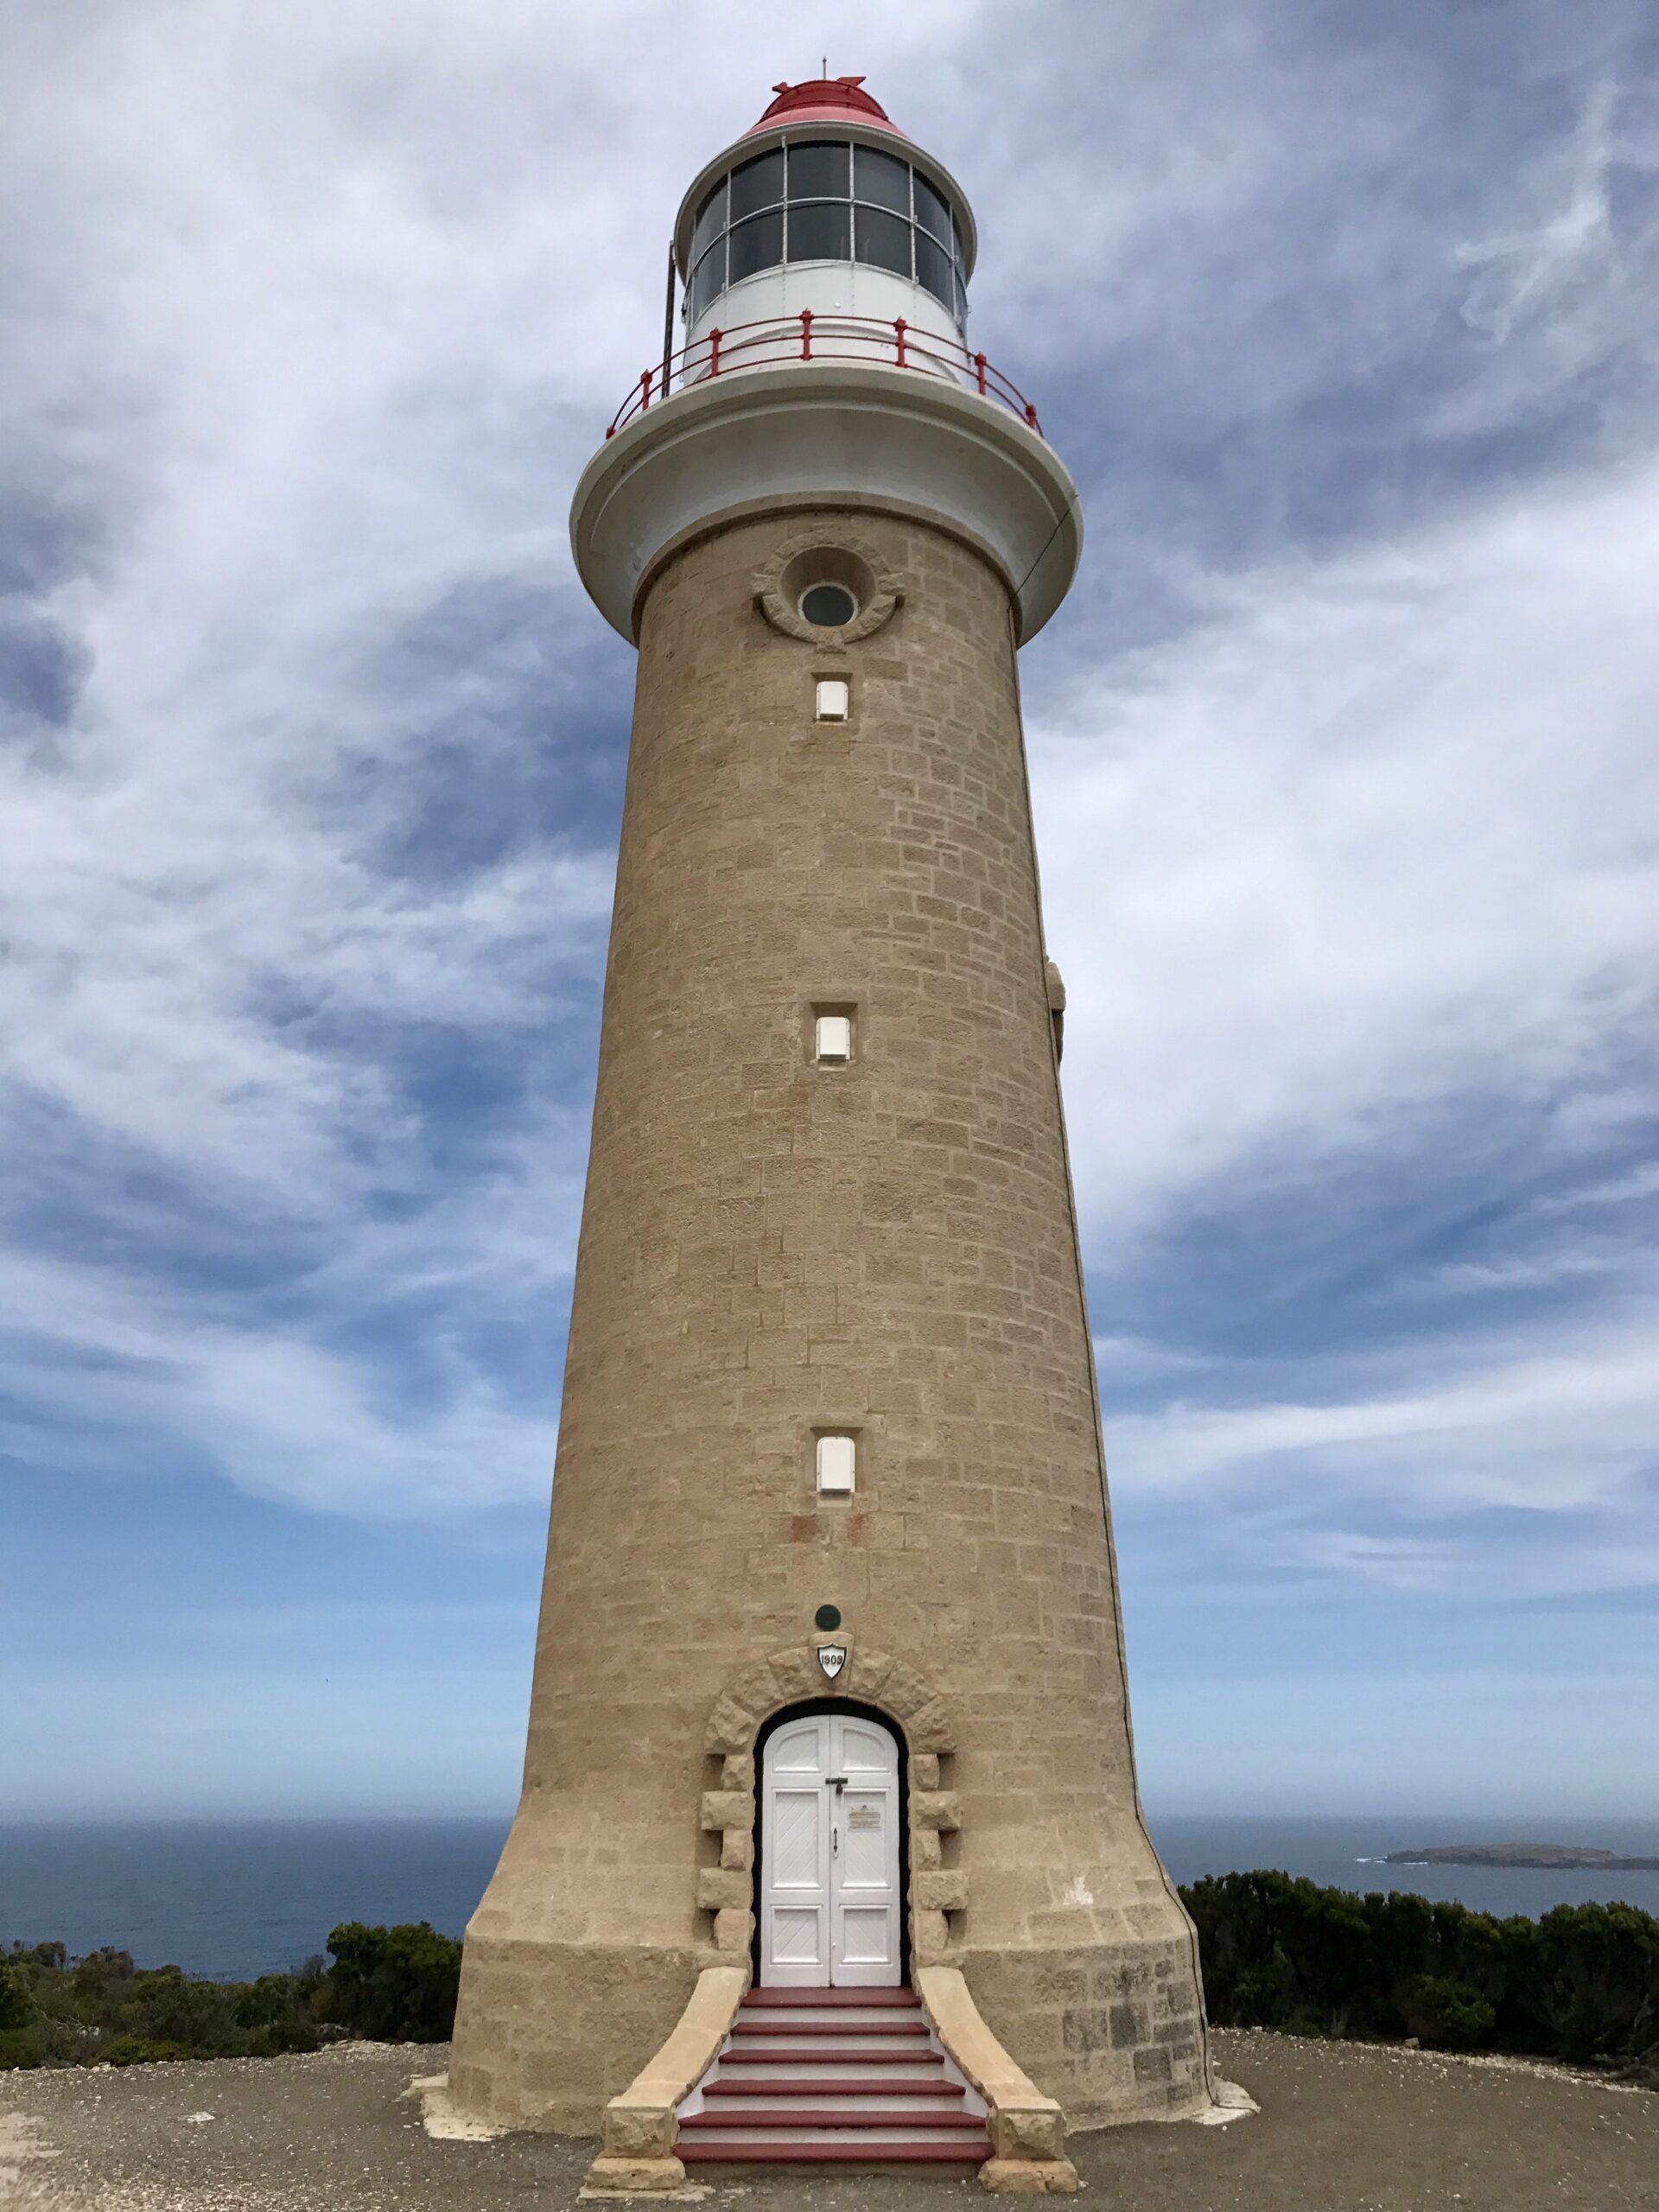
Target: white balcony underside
[(820, 430)]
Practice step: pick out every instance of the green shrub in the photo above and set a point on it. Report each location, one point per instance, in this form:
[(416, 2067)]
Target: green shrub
[(1446, 2013), (104, 1965), (17, 2006), (278, 2012), (1593, 1980), (140, 2051), (68, 2043), (1264, 1995), (395, 1984), (165, 2006), (20, 2047)]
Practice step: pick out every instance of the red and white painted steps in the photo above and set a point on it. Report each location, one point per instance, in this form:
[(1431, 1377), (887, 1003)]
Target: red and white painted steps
[(842, 2077)]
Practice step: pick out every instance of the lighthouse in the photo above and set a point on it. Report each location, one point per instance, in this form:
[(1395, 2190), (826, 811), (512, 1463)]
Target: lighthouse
[(830, 1846)]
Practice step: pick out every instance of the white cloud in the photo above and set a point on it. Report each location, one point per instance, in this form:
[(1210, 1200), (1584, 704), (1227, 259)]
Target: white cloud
[(1373, 842), (104, 1368), (321, 316), (1620, 1191), (1558, 294), (1472, 1277), (1524, 272), (1552, 1419)]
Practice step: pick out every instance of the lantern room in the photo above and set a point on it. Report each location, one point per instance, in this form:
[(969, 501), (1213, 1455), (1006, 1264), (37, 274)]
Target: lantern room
[(826, 260), (823, 207)]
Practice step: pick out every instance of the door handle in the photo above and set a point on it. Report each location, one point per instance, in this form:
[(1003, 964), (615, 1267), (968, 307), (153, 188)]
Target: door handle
[(835, 1843)]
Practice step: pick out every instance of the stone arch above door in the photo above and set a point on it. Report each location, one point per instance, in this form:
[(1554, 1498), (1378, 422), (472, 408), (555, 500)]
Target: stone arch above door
[(938, 1893)]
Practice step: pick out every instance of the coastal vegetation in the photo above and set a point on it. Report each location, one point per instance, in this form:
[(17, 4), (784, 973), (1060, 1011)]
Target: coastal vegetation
[(389, 1984), (1580, 1984)]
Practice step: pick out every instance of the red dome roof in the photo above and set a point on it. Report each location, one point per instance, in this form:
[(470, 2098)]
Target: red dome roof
[(825, 99)]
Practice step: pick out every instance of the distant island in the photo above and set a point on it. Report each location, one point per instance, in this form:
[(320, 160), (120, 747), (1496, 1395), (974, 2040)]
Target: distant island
[(1522, 1854)]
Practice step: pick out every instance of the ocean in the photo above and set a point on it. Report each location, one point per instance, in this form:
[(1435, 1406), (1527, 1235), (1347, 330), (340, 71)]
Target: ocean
[(236, 1898)]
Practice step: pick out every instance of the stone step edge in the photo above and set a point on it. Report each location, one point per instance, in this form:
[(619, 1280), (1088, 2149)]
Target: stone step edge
[(832, 2085), (969, 2151), (816, 2116), (827, 2055), (761, 1999)]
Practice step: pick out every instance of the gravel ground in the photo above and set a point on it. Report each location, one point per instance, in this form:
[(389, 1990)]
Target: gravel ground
[(1344, 2127)]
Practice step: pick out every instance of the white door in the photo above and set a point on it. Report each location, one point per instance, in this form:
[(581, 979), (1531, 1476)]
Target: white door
[(829, 1854)]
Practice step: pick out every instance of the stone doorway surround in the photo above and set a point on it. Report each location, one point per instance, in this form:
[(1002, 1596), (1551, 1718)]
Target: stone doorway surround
[(793, 1676)]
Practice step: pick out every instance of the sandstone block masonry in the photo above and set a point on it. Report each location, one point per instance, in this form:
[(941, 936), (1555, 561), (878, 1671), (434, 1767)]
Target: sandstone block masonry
[(771, 1249)]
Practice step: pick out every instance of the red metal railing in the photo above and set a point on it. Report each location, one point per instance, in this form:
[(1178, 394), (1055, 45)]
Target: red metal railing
[(810, 337)]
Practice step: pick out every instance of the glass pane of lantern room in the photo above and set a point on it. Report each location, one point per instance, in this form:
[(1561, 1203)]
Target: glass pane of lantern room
[(880, 179), (933, 269), (818, 171), (820, 232), (882, 240), (759, 183), (756, 244), (711, 220), (931, 210), (708, 278)]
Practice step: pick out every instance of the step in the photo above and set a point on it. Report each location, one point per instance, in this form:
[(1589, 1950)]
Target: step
[(833, 2025), (808, 2150), (801, 2113), (821, 2084), (809, 1995), (804, 2008), (830, 2054)]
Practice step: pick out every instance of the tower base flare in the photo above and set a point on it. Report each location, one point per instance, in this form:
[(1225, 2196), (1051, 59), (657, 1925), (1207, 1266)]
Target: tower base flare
[(1114, 2032), (548, 2033)]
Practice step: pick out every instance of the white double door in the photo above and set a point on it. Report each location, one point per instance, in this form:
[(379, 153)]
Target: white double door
[(830, 1900)]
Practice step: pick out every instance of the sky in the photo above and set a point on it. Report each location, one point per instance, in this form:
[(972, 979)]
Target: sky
[(1347, 801)]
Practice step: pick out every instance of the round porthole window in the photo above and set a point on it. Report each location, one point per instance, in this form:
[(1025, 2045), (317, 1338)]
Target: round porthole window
[(829, 606), (825, 595)]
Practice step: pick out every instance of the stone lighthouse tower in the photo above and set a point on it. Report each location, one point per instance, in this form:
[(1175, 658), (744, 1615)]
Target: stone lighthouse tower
[(829, 1736)]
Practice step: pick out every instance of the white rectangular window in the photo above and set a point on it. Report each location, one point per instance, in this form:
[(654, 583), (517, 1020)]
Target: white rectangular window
[(836, 1455), (834, 698), (832, 1038)]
